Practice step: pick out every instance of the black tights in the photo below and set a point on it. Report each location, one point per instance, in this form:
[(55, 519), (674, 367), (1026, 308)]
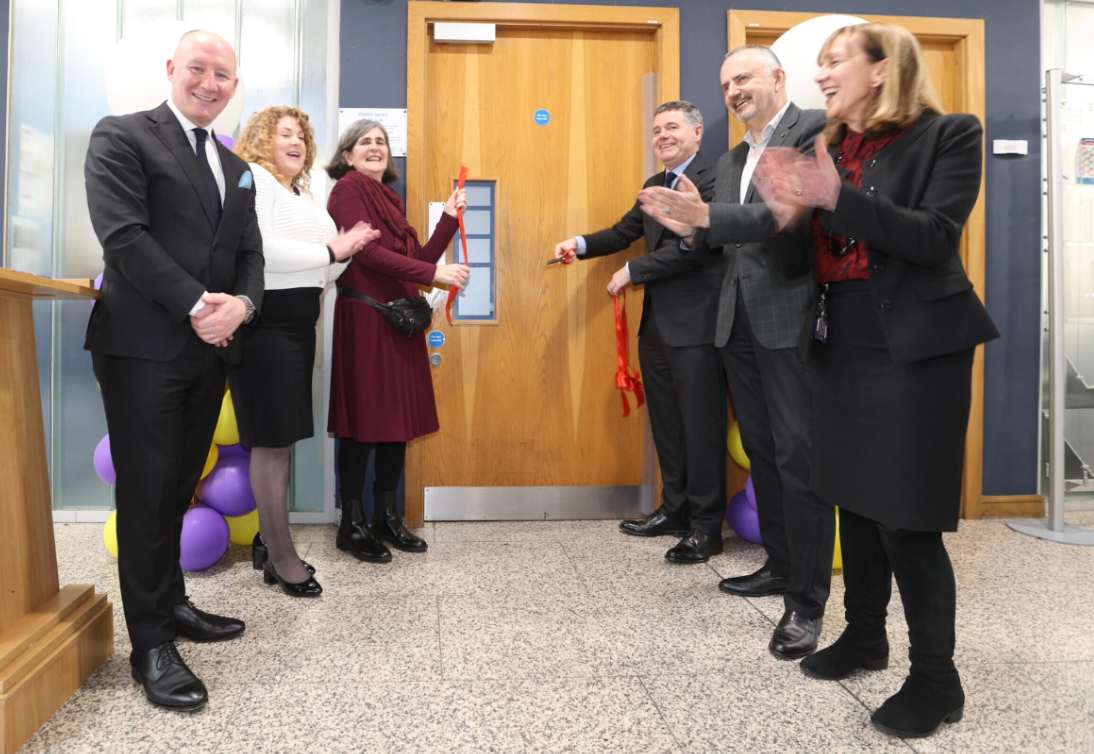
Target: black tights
[(353, 462)]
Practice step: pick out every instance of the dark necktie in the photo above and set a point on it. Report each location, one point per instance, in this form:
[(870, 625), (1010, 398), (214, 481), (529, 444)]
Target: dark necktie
[(207, 173), (669, 178)]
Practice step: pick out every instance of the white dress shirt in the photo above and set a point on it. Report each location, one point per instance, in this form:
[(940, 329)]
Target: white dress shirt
[(755, 149)]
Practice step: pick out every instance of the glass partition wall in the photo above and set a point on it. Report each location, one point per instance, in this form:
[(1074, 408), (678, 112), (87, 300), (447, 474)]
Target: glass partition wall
[(59, 52)]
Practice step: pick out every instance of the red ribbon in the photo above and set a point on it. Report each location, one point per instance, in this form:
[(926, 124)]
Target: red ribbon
[(626, 379), (463, 242)]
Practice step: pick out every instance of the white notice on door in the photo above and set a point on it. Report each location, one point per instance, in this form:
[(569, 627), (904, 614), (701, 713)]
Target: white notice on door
[(393, 119)]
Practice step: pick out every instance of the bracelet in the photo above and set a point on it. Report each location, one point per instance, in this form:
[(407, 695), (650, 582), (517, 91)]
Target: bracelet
[(333, 258)]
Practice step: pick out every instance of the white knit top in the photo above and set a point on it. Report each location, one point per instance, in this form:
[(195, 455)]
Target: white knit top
[(295, 231)]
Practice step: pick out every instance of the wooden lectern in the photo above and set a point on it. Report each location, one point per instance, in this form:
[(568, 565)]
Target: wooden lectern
[(51, 639)]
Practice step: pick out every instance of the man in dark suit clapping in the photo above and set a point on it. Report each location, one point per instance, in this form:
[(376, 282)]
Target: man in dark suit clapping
[(679, 363), (760, 316), (174, 212)]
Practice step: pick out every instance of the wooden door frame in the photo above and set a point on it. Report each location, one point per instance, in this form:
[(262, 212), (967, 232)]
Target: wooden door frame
[(663, 23), (967, 37)]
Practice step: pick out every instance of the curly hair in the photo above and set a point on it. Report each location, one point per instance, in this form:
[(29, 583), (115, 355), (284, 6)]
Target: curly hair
[(255, 142)]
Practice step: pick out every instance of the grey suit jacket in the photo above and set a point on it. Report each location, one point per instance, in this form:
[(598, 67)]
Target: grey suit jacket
[(777, 305)]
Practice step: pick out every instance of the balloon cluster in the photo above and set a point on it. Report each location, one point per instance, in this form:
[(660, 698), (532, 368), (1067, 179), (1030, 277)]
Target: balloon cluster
[(742, 513), (224, 508)]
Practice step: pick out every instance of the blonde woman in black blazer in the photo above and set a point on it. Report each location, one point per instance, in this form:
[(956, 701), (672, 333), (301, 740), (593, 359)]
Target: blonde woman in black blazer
[(877, 214)]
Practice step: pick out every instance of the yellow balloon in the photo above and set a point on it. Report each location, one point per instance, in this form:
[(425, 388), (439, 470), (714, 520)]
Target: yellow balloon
[(227, 433), (837, 556), (211, 460), (110, 534), (736, 449), (242, 529)]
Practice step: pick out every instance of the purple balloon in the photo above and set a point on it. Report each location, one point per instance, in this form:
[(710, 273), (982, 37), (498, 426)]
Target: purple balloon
[(98, 282), (104, 464), (744, 519), (227, 489), (204, 538), (227, 141), (227, 451), (750, 492)]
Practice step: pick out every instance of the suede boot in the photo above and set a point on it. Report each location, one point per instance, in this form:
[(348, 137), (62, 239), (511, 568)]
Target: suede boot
[(848, 653), (388, 525), (355, 537)]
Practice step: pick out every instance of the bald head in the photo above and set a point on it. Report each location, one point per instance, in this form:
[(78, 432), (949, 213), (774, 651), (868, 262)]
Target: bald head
[(202, 75)]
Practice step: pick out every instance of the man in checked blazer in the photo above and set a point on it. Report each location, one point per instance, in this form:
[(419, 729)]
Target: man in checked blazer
[(680, 366), (175, 214), (760, 316)]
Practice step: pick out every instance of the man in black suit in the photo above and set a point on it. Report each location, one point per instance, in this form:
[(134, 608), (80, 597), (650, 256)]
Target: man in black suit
[(679, 364), (174, 212), (760, 317)]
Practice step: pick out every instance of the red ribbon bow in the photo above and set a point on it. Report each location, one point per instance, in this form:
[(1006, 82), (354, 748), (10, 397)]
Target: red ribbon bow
[(463, 242), (626, 379)]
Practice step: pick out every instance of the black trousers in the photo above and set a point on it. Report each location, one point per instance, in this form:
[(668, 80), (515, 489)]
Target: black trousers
[(872, 555), (161, 417), (773, 401), (686, 395)]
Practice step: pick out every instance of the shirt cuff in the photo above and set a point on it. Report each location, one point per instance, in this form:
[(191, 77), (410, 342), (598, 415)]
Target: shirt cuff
[(581, 247), (627, 267), (198, 306)]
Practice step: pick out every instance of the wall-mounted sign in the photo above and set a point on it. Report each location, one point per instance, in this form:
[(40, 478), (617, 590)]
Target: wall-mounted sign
[(393, 119)]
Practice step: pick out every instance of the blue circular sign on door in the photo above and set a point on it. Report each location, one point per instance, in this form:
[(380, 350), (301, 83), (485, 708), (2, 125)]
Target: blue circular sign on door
[(436, 338), (543, 117)]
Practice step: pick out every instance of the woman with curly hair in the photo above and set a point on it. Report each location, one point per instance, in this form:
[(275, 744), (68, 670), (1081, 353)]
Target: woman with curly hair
[(271, 387)]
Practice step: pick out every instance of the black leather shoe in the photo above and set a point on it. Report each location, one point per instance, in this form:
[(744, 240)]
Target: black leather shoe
[(920, 707), (654, 525), (695, 548), (309, 588), (388, 525), (846, 655), (759, 584), (166, 680), (259, 555), (795, 636), (198, 625), (355, 537)]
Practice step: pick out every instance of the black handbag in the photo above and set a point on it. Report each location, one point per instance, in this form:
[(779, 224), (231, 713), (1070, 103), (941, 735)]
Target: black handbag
[(407, 315)]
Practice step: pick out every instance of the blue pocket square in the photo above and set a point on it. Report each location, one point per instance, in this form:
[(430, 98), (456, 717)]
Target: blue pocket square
[(245, 180)]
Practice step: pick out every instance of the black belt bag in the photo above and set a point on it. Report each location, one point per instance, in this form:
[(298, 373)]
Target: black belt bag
[(407, 315)]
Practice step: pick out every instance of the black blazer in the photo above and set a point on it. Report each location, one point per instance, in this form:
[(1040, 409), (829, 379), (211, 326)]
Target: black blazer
[(151, 212), (685, 289), (916, 195)]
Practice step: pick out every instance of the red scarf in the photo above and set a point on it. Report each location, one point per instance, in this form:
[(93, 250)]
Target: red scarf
[(390, 213)]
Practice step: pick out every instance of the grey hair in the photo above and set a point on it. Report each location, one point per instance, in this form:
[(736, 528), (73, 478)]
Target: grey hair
[(690, 111), (772, 60), (338, 166)]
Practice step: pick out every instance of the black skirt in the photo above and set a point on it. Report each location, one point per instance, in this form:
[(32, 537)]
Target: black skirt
[(272, 386), (889, 441)]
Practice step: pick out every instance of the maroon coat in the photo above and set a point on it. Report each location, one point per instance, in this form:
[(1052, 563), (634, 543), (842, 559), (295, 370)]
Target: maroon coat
[(381, 389)]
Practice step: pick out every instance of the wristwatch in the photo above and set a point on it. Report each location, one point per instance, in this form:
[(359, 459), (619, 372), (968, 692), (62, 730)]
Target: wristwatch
[(250, 308)]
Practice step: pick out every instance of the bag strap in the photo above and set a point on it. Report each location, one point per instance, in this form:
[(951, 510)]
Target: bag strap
[(360, 297)]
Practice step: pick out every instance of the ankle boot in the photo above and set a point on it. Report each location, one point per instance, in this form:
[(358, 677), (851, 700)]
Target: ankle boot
[(932, 693), (388, 525), (355, 537), (846, 655)]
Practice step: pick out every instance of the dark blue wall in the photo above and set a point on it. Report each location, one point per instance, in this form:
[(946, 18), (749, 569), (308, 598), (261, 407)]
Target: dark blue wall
[(373, 49)]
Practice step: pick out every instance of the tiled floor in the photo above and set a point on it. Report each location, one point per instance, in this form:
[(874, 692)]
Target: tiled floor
[(571, 637)]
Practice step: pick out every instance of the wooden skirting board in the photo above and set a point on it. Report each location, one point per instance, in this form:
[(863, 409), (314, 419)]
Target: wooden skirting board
[(1023, 506)]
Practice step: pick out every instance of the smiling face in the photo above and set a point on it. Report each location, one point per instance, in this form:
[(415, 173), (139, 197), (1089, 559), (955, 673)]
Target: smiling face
[(849, 80), (674, 139), (289, 147), (203, 77), (370, 154), (753, 92)]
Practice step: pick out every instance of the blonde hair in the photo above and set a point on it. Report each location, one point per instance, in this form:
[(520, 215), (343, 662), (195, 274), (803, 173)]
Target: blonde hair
[(255, 142), (907, 90)]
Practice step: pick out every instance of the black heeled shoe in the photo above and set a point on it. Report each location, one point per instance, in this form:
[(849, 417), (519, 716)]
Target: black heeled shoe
[(309, 588), (388, 526), (258, 555)]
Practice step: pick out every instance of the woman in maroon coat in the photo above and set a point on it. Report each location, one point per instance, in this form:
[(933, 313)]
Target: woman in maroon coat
[(381, 389)]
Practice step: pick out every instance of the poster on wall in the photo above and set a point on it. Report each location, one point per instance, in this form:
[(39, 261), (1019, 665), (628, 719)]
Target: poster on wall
[(393, 119)]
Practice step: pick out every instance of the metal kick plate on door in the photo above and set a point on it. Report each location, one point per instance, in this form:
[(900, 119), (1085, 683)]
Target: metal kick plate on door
[(435, 359), (531, 503)]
